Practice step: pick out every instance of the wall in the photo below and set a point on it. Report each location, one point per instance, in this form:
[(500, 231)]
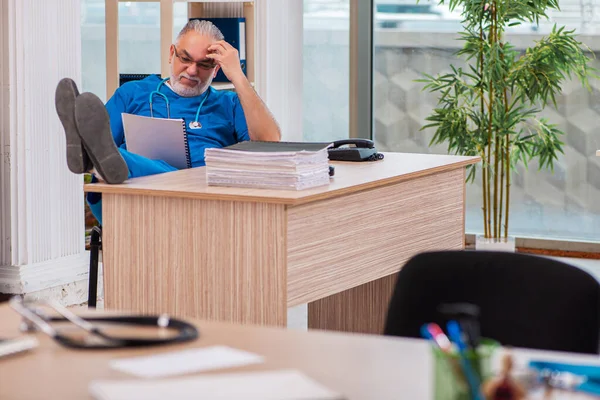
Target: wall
[(41, 211)]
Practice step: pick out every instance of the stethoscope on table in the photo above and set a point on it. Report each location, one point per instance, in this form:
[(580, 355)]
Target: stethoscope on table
[(195, 124), (34, 319)]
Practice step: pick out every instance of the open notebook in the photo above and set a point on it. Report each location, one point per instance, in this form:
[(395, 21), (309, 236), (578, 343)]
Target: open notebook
[(158, 139)]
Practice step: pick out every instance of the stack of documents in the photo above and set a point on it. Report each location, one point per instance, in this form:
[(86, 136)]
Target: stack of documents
[(269, 165)]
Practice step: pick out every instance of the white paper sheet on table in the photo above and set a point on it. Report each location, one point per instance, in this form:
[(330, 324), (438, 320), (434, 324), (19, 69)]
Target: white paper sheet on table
[(185, 361), (264, 385)]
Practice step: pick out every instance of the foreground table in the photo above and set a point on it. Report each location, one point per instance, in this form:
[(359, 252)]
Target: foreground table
[(358, 366), (171, 243)]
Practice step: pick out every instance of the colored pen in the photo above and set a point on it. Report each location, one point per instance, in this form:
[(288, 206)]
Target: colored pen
[(434, 332), (455, 334)]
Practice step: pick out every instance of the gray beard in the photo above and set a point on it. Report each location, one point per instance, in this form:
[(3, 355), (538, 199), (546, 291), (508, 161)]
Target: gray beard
[(185, 91)]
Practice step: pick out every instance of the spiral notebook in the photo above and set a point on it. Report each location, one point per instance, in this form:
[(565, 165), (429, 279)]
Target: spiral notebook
[(158, 139)]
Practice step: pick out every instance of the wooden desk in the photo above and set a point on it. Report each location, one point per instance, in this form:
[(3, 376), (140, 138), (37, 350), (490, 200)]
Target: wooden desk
[(360, 366), (171, 243)]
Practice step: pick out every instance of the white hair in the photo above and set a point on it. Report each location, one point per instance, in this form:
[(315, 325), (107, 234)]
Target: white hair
[(202, 27)]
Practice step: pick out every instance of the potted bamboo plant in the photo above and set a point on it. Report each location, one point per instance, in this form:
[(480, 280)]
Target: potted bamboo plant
[(491, 108)]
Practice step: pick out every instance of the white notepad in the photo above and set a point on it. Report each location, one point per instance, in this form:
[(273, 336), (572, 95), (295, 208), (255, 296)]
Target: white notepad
[(185, 361), (265, 385), (157, 139), (12, 346)]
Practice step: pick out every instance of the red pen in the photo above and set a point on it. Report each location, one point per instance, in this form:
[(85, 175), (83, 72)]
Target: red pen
[(438, 335)]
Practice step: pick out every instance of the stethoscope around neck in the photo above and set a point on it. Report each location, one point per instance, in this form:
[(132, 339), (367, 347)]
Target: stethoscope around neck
[(195, 124)]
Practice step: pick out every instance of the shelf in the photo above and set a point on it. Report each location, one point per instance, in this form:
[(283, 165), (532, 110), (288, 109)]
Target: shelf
[(207, 1), (196, 9), (225, 85), (189, 1)]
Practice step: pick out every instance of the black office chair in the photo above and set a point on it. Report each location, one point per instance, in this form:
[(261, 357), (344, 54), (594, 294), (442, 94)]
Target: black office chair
[(96, 234), (124, 78), (95, 247), (524, 301)]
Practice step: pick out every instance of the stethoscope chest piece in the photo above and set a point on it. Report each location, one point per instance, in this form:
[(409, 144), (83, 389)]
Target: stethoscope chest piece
[(195, 125)]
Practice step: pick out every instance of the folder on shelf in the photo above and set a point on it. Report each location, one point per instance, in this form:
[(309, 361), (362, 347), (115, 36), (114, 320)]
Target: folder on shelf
[(234, 30)]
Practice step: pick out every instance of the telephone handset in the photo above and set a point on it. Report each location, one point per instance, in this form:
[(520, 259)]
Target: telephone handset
[(354, 150)]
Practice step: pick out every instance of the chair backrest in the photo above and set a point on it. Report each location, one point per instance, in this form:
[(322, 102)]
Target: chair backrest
[(524, 300), (124, 78)]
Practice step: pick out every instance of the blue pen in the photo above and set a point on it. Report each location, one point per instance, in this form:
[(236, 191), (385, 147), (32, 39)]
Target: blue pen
[(455, 334)]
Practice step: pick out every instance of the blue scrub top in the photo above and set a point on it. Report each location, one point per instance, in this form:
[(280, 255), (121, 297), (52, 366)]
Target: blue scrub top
[(221, 116)]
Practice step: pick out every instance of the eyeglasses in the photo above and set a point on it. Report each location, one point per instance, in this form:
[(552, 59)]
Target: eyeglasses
[(155, 332), (205, 65)]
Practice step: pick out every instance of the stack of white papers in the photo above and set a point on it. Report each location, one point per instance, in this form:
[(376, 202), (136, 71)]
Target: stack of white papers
[(269, 165)]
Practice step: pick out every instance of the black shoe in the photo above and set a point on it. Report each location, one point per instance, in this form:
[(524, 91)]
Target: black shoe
[(64, 99), (93, 124)]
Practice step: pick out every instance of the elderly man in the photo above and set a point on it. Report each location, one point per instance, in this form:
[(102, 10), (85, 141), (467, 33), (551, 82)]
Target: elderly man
[(94, 132)]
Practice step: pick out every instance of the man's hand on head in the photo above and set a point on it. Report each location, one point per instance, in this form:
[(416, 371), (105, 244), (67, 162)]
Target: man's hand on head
[(261, 124), (226, 56)]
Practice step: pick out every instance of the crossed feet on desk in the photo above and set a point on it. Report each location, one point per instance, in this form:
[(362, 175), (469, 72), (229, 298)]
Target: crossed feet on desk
[(90, 144)]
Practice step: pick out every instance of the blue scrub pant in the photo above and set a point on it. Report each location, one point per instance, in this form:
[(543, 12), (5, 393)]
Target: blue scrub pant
[(138, 166)]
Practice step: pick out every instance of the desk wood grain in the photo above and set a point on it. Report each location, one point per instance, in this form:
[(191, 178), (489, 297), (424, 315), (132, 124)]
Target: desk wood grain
[(221, 260), (345, 242), (344, 253), (349, 178)]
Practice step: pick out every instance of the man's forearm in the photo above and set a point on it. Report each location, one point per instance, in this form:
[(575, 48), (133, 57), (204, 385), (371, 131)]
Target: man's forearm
[(260, 121)]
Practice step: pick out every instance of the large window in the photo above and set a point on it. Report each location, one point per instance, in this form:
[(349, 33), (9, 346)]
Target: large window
[(326, 69), (411, 39)]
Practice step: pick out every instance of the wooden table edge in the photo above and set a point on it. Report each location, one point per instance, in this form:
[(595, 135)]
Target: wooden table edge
[(126, 189)]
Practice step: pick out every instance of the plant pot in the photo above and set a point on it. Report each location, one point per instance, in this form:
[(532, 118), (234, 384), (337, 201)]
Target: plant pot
[(495, 244)]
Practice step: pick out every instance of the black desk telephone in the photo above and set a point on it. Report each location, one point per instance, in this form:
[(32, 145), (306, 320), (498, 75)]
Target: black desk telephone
[(354, 150)]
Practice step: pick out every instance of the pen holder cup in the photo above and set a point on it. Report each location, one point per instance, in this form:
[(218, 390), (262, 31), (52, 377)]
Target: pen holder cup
[(449, 380)]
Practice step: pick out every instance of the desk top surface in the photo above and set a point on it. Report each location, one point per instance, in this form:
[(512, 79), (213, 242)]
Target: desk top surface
[(349, 177), (358, 366)]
